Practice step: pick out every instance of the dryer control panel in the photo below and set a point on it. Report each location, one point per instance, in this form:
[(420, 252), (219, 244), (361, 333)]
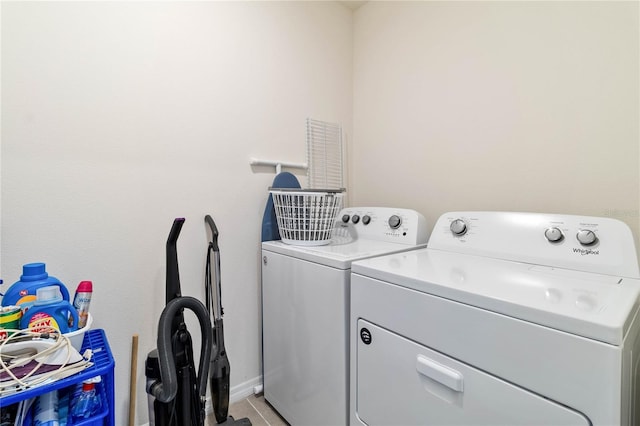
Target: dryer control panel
[(404, 226), (592, 244)]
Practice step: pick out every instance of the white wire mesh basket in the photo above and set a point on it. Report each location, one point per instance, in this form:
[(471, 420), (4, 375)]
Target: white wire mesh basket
[(324, 154), (306, 217)]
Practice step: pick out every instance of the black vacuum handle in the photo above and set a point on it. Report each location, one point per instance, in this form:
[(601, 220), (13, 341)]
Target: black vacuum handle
[(173, 276), (165, 390), (214, 232), (214, 304)]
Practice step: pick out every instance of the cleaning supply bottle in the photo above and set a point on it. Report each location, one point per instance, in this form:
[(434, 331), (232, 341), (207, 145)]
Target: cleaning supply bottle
[(45, 412), (88, 402), (23, 292), (82, 300), (9, 320), (50, 310)]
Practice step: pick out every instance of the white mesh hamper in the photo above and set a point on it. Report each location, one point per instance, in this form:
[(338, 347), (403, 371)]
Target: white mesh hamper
[(306, 217)]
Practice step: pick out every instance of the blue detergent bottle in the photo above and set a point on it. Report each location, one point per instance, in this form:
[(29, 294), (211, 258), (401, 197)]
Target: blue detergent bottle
[(23, 292), (50, 310)]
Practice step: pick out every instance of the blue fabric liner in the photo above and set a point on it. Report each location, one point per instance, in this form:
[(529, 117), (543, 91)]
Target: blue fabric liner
[(270, 230)]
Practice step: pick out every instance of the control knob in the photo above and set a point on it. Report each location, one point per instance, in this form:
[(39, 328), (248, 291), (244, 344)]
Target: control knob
[(586, 237), (345, 218), (554, 234), (458, 227), (366, 219), (395, 221), (355, 219)]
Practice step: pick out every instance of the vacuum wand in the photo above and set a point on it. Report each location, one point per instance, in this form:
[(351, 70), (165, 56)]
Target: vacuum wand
[(220, 369), (214, 250)]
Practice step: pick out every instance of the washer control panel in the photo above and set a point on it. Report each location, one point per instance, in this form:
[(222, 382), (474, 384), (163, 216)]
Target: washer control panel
[(404, 226), (553, 234), (594, 244), (458, 227), (394, 221), (586, 237)]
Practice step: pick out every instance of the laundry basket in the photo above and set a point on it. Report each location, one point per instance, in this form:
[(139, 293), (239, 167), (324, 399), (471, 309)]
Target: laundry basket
[(306, 217)]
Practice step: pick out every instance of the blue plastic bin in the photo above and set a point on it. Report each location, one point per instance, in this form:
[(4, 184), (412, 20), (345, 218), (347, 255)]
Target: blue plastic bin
[(103, 365)]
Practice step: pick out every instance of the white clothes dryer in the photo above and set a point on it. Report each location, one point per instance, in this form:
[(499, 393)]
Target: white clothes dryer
[(505, 319), (305, 301)]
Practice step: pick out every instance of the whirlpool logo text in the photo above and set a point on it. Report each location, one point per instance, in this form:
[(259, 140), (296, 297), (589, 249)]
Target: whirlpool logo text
[(585, 252)]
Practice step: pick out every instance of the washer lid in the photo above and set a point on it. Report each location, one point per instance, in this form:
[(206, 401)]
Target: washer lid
[(338, 256), (591, 305)]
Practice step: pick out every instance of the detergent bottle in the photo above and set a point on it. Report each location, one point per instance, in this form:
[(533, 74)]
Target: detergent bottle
[(23, 292), (50, 310)]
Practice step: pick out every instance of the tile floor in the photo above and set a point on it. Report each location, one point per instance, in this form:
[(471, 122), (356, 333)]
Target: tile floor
[(256, 409)]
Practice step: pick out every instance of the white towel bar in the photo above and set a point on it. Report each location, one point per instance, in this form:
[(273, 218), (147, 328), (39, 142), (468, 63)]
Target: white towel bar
[(278, 164)]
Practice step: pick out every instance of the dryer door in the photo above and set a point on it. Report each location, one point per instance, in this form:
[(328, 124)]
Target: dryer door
[(401, 382)]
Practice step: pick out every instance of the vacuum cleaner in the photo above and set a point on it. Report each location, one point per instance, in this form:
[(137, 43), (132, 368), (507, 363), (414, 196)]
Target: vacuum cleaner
[(176, 394), (219, 369)]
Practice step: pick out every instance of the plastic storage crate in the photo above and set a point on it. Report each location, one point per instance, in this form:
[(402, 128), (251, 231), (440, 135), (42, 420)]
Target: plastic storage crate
[(103, 365)]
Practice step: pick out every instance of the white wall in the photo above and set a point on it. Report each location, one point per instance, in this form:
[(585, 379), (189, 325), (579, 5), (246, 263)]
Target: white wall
[(118, 117), (517, 106)]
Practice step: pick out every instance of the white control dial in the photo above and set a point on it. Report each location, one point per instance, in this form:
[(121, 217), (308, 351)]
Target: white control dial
[(586, 237), (395, 221), (458, 227), (554, 234)]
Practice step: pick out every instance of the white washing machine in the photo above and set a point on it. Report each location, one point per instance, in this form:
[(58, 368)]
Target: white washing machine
[(306, 311), (505, 319)]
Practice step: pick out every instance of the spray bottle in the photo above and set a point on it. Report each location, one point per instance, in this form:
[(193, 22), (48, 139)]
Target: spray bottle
[(87, 403), (81, 302)]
